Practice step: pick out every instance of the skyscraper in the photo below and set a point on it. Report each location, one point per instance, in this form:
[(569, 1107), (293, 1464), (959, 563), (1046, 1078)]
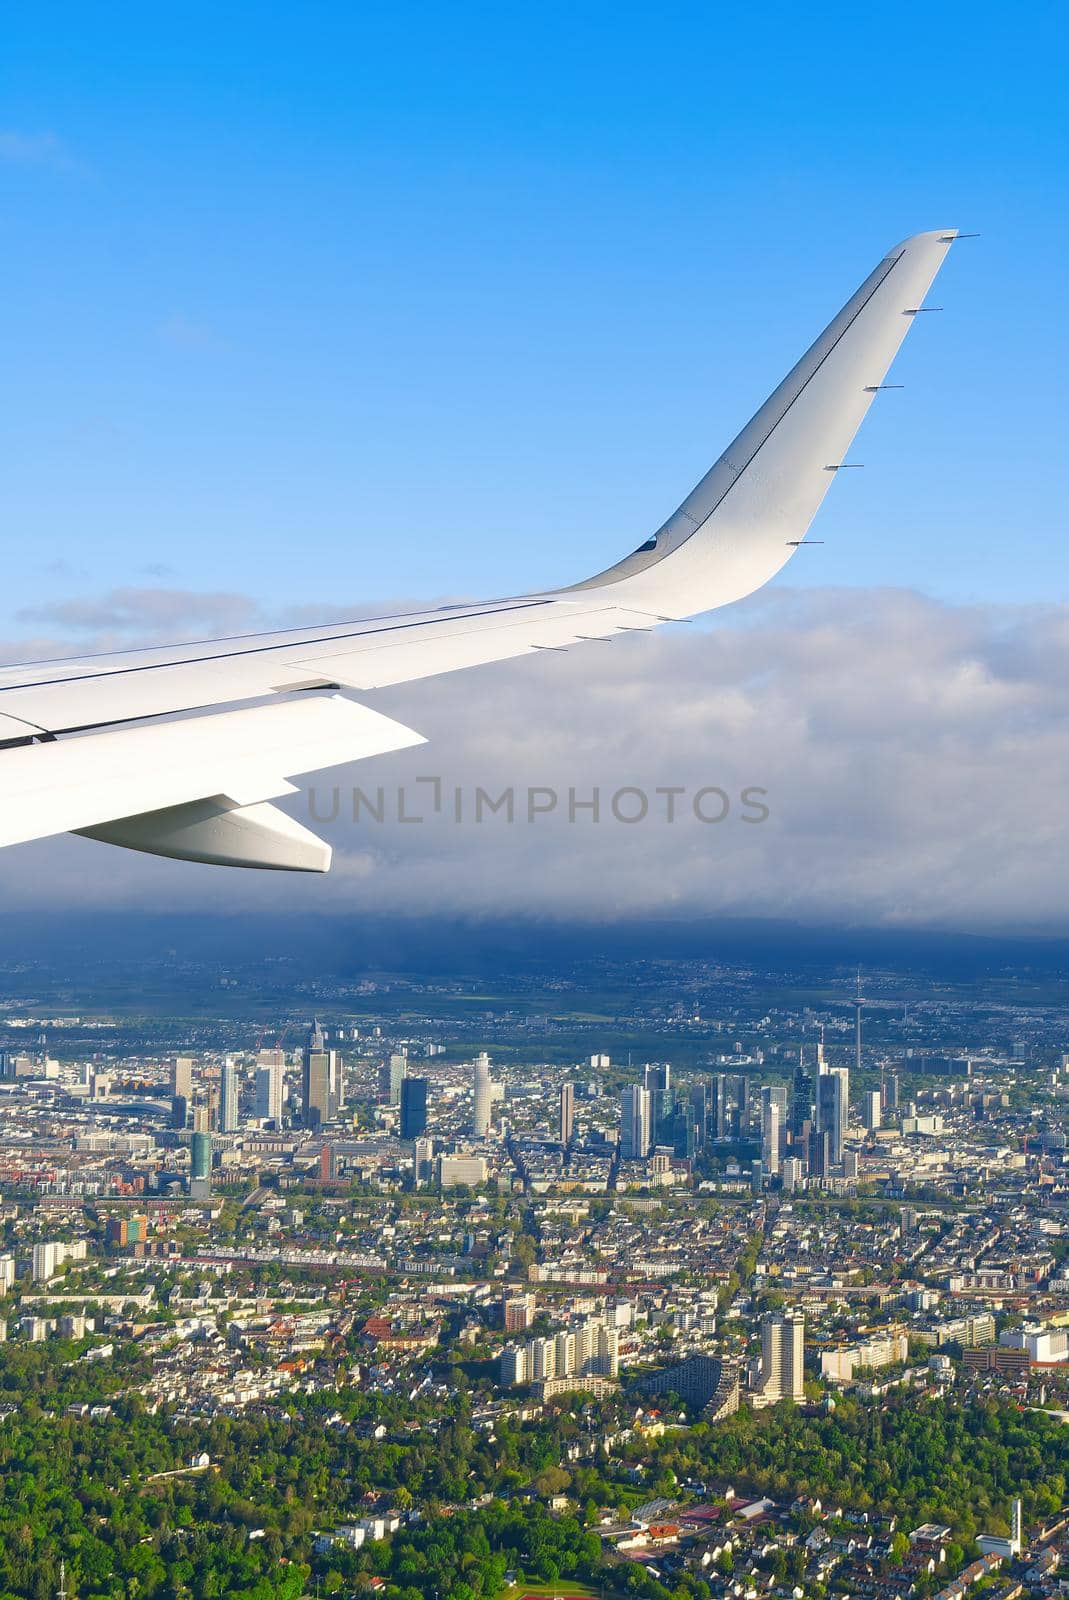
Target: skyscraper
[(873, 1110), (200, 1165), (395, 1076), (481, 1090), (181, 1090), (833, 1099), (182, 1077), (413, 1107), (782, 1356), (269, 1086), (657, 1081), (319, 1081), (771, 1128), (567, 1112), (635, 1123), (228, 1097), (801, 1102)]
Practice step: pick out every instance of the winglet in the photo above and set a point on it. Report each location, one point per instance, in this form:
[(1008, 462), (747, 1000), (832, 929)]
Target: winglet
[(740, 524)]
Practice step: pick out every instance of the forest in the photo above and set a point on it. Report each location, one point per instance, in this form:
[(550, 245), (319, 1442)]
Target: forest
[(87, 1491)]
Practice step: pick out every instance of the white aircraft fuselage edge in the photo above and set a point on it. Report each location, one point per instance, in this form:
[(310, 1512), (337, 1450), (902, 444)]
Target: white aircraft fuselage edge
[(106, 745)]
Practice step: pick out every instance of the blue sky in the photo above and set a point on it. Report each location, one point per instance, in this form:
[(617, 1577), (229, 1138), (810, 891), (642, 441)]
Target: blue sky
[(336, 303)]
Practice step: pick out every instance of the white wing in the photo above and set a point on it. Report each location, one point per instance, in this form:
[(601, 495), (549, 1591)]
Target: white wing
[(196, 787)]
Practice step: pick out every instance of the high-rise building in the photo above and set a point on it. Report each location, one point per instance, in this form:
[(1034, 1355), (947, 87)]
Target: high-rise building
[(567, 1112), (801, 1102), (200, 1163), (771, 1130), (269, 1087), (872, 1110), (228, 1097), (394, 1076), (513, 1370), (657, 1081), (782, 1356), (635, 1123), (481, 1091), (181, 1090), (889, 1093), (833, 1103), (423, 1161), (699, 1111), (518, 1312), (793, 1173), (858, 1008), (319, 1081), (413, 1107), (182, 1077)]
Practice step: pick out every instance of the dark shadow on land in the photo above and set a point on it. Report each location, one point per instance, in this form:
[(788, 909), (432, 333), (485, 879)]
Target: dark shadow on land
[(350, 946)]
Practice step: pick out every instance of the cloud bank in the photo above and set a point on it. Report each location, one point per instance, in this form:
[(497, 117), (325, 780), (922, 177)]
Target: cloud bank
[(912, 757)]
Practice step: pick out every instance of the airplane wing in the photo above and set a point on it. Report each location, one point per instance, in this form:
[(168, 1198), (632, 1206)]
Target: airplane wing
[(107, 745)]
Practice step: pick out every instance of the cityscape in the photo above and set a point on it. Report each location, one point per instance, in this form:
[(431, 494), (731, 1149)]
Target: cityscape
[(783, 1310), (534, 951)]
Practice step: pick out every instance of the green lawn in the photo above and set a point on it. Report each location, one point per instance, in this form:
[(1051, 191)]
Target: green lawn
[(566, 1587)]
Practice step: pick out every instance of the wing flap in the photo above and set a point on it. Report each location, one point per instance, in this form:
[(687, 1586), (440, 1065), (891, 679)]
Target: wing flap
[(245, 756)]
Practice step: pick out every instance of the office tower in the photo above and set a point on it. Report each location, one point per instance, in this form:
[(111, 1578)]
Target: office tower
[(635, 1123), (413, 1107), (269, 1088), (872, 1110), (699, 1111), (396, 1072), (657, 1081), (801, 1102), (833, 1096), (228, 1097), (720, 1111), (200, 1165), (181, 1090), (858, 1007), (567, 1112), (889, 1093), (757, 1176), (819, 1153), (771, 1127), (182, 1077), (782, 1356), (820, 1051), (481, 1092), (201, 1115), (319, 1081)]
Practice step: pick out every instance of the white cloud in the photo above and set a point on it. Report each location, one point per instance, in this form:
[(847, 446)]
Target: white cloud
[(914, 756)]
